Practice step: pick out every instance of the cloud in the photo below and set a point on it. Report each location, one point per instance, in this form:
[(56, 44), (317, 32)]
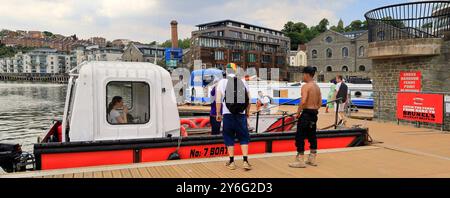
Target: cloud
[(148, 20)]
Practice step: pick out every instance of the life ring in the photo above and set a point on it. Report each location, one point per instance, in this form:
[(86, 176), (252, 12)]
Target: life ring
[(275, 127), (199, 120), (205, 123), (183, 131), (190, 123)]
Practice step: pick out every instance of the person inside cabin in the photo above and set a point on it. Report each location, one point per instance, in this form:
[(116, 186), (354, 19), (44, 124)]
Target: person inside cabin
[(115, 107), (215, 125), (330, 105)]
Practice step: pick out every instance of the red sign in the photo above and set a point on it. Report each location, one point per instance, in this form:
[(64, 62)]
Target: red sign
[(410, 81), (420, 107)]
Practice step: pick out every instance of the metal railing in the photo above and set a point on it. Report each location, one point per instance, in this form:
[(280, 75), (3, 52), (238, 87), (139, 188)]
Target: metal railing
[(285, 115), (425, 19)]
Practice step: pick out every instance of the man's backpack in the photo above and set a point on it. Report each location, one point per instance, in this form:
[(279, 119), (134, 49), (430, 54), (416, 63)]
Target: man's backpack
[(342, 92), (236, 98)]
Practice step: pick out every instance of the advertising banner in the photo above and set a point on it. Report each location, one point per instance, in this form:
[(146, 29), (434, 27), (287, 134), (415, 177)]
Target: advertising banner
[(410, 81), (420, 107)]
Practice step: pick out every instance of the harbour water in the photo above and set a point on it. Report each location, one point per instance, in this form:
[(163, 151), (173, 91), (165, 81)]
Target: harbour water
[(27, 110)]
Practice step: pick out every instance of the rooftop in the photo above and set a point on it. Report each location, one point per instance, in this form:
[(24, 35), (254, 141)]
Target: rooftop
[(354, 34), (142, 46), (246, 25)]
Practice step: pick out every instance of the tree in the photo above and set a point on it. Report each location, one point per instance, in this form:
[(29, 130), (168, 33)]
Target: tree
[(288, 27), (356, 25), (323, 26), (47, 34), (183, 44), (340, 27), (299, 33)]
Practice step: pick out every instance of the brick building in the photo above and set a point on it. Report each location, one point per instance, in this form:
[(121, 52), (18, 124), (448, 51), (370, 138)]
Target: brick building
[(249, 46)]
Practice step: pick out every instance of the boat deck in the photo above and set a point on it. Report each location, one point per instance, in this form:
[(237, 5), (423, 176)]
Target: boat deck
[(398, 151)]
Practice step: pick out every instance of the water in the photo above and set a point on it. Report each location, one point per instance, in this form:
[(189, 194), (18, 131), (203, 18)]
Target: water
[(27, 111)]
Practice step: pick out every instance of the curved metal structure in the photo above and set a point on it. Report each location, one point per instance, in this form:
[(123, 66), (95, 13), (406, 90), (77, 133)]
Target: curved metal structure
[(424, 19)]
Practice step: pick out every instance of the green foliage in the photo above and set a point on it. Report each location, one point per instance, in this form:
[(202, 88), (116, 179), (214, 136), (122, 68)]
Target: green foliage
[(356, 25), (339, 28), (183, 44), (299, 33), (11, 51), (47, 34), (395, 23)]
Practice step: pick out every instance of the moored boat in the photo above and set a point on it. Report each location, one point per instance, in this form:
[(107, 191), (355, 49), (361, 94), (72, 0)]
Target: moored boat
[(86, 137)]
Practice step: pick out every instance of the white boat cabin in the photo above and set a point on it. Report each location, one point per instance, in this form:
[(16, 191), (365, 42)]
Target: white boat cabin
[(146, 90)]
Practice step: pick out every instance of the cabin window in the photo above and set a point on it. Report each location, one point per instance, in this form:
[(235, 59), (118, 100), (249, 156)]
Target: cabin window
[(135, 97)]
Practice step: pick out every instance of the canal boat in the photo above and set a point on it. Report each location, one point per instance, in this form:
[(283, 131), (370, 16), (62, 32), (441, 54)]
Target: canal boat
[(201, 81), (154, 132)]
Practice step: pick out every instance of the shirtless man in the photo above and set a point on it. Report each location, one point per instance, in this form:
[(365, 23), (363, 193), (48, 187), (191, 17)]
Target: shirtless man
[(307, 115)]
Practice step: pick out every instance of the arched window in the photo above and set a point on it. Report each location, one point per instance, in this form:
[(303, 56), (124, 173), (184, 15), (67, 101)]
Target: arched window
[(329, 69), (329, 53), (345, 68), (362, 68), (345, 52), (315, 68), (314, 53), (361, 51), (380, 35)]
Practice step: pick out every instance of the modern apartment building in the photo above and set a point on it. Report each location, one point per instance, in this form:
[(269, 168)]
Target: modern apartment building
[(44, 61), (249, 46)]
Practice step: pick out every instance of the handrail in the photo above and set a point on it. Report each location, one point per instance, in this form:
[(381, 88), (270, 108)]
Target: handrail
[(288, 115), (285, 103)]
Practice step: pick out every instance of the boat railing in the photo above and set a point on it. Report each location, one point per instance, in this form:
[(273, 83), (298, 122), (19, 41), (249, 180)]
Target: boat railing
[(285, 115)]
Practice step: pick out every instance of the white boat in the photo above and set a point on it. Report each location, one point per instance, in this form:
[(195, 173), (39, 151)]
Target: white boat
[(199, 89)]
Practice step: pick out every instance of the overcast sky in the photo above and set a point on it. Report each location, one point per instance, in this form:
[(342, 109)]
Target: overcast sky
[(148, 20)]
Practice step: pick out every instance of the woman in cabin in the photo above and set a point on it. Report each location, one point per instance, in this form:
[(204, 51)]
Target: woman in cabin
[(114, 107), (330, 96)]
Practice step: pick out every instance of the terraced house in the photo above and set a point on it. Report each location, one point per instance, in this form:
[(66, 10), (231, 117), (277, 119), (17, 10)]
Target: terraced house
[(249, 46)]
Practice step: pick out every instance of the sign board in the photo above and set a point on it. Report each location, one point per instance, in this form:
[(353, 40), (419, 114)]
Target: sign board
[(420, 107), (410, 81), (174, 54)]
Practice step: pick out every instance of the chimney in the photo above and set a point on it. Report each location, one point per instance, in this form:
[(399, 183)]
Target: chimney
[(174, 28)]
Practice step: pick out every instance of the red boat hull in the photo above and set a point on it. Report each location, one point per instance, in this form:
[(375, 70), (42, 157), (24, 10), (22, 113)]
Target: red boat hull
[(84, 154)]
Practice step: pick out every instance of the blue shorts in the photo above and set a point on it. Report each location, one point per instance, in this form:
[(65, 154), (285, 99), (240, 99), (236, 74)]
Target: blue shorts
[(235, 126)]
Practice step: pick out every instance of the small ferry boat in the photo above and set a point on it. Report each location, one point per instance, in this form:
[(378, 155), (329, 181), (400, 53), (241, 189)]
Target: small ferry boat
[(361, 95), (154, 131)]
